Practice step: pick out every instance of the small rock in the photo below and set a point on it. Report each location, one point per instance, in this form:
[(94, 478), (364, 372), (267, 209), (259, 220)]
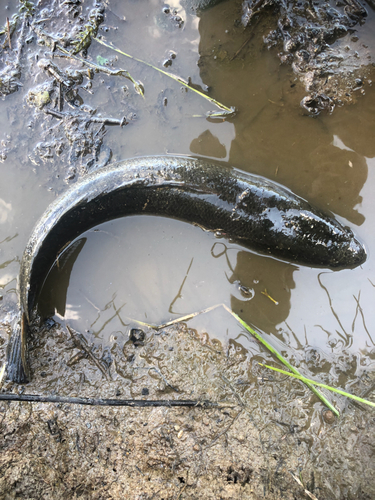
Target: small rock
[(167, 63), (137, 336), (329, 417)]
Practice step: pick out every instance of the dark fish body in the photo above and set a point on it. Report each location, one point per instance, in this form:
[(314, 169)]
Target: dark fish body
[(255, 212)]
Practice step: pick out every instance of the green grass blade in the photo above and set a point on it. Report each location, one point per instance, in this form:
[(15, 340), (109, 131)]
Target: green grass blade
[(178, 79), (104, 69), (333, 389), (283, 360), (310, 383)]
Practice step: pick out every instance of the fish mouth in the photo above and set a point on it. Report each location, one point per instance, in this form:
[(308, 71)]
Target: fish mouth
[(353, 254), (358, 252)]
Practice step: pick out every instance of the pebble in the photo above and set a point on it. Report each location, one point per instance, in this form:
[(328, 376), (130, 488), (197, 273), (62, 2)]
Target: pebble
[(329, 416)]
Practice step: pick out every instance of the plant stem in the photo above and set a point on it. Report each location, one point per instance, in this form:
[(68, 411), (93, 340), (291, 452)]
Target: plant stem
[(170, 75), (333, 389)]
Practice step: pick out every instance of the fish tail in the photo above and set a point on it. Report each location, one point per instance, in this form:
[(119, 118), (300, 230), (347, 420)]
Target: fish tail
[(17, 363)]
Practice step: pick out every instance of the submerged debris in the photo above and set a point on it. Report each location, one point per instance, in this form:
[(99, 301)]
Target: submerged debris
[(79, 38), (9, 80), (89, 30), (10, 75), (40, 95), (169, 18)]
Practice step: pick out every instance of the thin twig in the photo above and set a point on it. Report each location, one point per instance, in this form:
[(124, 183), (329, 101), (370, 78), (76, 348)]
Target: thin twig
[(81, 344), (135, 403), (307, 492), (245, 43), (8, 31), (20, 41), (215, 438), (60, 97), (184, 487), (242, 47), (93, 119), (184, 318), (2, 373), (104, 69)]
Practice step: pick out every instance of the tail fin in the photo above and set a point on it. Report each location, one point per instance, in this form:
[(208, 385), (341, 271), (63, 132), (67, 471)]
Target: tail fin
[(17, 363)]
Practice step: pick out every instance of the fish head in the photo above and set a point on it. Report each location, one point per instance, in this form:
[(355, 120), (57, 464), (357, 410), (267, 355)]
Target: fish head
[(321, 240)]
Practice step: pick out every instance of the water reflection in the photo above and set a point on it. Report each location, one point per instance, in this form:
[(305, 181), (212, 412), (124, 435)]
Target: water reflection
[(208, 145), (55, 288), (5, 209), (272, 281), (346, 337)]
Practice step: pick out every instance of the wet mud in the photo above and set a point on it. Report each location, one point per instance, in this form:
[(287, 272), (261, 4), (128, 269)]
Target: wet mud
[(268, 430), (328, 44)]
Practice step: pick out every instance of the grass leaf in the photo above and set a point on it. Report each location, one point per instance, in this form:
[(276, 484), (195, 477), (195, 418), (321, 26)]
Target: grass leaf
[(228, 111), (283, 360), (104, 69), (333, 389)]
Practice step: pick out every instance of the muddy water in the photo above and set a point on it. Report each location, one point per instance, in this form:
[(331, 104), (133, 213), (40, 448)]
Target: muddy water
[(155, 269)]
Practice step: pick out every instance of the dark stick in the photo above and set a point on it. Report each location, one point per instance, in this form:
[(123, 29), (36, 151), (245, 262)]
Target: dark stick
[(140, 403), (54, 113), (94, 119), (8, 30), (60, 97), (245, 42)]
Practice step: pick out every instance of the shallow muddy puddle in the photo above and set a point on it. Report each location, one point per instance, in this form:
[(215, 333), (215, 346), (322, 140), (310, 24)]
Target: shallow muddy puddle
[(153, 269), (146, 270)]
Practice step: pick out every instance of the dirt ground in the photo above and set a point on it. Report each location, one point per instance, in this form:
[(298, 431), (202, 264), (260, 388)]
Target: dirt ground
[(272, 431)]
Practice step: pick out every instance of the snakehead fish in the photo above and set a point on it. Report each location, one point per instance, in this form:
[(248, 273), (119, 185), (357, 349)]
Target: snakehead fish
[(255, 212)]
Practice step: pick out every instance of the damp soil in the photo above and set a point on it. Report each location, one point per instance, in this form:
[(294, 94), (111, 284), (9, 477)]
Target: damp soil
[(64, 117)]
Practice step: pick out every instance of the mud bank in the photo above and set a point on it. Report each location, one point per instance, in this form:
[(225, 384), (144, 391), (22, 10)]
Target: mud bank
[(255, 447), (328, 44)]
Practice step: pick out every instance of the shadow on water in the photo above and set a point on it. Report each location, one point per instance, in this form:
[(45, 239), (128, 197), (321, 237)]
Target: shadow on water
[(324, 159), (321, 159), (56, 285)]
